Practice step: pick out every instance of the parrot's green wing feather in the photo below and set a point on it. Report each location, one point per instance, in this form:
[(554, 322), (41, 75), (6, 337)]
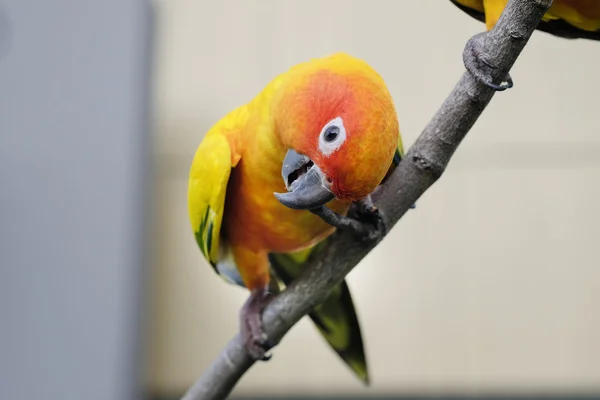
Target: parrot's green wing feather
[(209, 175), (335, 318)]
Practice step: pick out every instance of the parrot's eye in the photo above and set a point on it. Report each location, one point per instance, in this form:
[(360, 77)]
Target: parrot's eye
[(332, 136), (331, 133)]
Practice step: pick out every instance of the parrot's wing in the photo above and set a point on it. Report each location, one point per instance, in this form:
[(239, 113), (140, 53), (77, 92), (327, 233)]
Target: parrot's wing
[(473, 8), (207, 188), (561, 28), (335, 318)]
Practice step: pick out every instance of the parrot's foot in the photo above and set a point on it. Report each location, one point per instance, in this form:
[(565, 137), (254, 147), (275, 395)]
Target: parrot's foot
[(476, 62), (253, 335), (365, 221), (339, 221), (368, 214)]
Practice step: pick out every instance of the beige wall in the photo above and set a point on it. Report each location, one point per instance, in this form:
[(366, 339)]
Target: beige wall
[(492, 283)]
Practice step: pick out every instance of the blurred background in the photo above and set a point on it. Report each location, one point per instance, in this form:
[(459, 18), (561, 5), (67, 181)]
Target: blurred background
[(489, 287)]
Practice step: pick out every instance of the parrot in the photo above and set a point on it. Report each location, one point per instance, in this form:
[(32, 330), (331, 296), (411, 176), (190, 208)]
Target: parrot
[(571, 19), (323, 134)]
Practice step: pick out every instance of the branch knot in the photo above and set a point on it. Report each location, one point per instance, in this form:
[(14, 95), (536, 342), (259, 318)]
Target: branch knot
[(427, 165)]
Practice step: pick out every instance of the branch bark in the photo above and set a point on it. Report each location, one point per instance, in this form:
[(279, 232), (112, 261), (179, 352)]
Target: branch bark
[(423, 165)]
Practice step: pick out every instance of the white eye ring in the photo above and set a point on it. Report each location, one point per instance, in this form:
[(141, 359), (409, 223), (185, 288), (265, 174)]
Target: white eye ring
[(332, 136)]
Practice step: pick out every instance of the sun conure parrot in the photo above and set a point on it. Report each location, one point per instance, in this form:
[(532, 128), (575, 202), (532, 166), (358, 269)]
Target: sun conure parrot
[(570, 19), (323, 133)]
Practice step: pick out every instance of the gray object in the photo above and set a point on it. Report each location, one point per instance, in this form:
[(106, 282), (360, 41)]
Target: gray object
[(74, 158)]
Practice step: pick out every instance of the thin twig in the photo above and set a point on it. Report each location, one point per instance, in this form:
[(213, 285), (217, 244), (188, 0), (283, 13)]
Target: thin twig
[(422, 166)]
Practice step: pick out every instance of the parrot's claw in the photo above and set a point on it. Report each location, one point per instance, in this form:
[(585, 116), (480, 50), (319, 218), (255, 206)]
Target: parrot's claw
[(365, 220), (476, 62), (368, 214), (253, 335)]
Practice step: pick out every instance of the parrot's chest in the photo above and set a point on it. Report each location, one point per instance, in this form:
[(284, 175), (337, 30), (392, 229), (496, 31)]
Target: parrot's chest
[(254, 217)]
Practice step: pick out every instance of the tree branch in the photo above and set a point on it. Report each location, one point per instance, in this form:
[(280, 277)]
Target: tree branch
[(422, 166)]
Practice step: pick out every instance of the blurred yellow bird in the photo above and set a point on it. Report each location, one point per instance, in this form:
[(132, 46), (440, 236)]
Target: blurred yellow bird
[(565, 18)]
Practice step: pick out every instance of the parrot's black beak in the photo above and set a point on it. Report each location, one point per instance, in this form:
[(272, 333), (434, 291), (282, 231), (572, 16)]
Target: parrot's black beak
[(306, 184)]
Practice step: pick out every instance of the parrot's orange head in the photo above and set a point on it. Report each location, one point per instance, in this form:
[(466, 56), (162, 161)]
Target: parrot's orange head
[(337, 120)]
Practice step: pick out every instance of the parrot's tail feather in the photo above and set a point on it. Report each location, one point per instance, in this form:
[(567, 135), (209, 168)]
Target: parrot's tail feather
[(335, 318)]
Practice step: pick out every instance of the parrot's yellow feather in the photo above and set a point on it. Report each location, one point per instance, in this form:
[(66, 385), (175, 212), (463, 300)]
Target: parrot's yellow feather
[(207, 189), (207, 186)]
